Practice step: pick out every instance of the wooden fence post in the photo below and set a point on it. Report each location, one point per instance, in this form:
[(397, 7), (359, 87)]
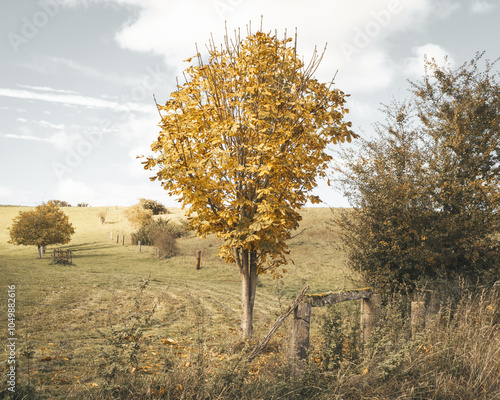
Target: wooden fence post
[(117, 238), (139, 243), (263, 343), (435, 302), (123, 240), (299, 341), (370, 314), (198, 259), (111, 235), (157, 252), (417, 317)]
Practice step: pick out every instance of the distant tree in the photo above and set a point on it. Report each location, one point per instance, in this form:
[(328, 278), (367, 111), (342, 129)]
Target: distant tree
[(60, 203), (43, 226), (102, 216), (138, 216), (82, 204), (426, 191), (153, 205), (243, 141)]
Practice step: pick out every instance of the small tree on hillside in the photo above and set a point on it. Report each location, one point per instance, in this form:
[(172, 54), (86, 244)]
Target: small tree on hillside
[(43, 226), (243, 141), (426, 191), (102, 216), (138, 215)]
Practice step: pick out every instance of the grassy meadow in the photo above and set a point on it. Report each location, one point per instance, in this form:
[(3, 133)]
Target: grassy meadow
[(119, 324), (67, 315)]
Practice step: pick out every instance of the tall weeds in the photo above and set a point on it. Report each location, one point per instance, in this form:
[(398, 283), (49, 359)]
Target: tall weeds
[(455, 356)]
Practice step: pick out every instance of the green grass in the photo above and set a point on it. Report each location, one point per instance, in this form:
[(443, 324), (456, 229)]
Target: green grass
[(61, 310)]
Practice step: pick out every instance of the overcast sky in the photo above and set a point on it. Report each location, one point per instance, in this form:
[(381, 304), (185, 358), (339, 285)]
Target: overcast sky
[(77, 77)]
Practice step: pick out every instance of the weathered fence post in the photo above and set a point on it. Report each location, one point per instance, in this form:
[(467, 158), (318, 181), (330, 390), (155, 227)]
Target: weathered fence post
[(123, 240), (198, 259), (370, 314), (417, 317), (299, 341), (117, 238), (435, 302), (111, 235), (263, 343), (139, 244), (157, 252)]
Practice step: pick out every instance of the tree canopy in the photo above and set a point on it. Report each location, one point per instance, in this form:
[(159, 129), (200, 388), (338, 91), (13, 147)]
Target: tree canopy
[(43, 226), (242, 144), (425, 190)]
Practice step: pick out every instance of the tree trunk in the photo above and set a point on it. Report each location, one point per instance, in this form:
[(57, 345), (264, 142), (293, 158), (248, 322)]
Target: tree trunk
[(247, 265), (40, 250)]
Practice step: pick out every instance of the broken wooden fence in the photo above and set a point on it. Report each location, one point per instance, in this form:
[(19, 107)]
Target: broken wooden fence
[(301, 308)]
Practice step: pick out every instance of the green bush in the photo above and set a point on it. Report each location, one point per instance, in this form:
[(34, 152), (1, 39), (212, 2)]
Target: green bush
[(425, 190), (341, 336), (166, 244), (147, 233)]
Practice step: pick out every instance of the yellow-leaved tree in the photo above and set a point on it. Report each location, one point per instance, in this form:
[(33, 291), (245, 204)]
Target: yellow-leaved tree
[(242, 143), (43, 226)]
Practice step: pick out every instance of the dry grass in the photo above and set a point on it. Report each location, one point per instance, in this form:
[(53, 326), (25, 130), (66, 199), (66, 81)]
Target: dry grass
[(120, 324), (62, 309)]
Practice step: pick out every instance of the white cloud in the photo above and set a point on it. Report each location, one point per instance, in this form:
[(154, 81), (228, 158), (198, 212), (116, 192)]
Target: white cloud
[(415, 66), (47, 89), (61, 140), (372, 70), (362, 113), (5, 192), (75, 100), (26, 137), (52, 64), (443, 9), (171, 29), (46, 124), (482, 6), (75, 192), (64, 141), (10, 196)]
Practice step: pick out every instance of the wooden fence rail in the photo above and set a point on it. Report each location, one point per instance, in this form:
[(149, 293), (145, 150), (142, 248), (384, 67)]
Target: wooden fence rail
[(299, 340), (301, 308)]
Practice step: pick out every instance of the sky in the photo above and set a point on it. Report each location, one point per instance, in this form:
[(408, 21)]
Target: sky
[(77, 77)]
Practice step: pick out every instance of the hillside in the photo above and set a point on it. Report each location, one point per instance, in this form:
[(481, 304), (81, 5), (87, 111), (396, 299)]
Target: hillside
[(66, 314)]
